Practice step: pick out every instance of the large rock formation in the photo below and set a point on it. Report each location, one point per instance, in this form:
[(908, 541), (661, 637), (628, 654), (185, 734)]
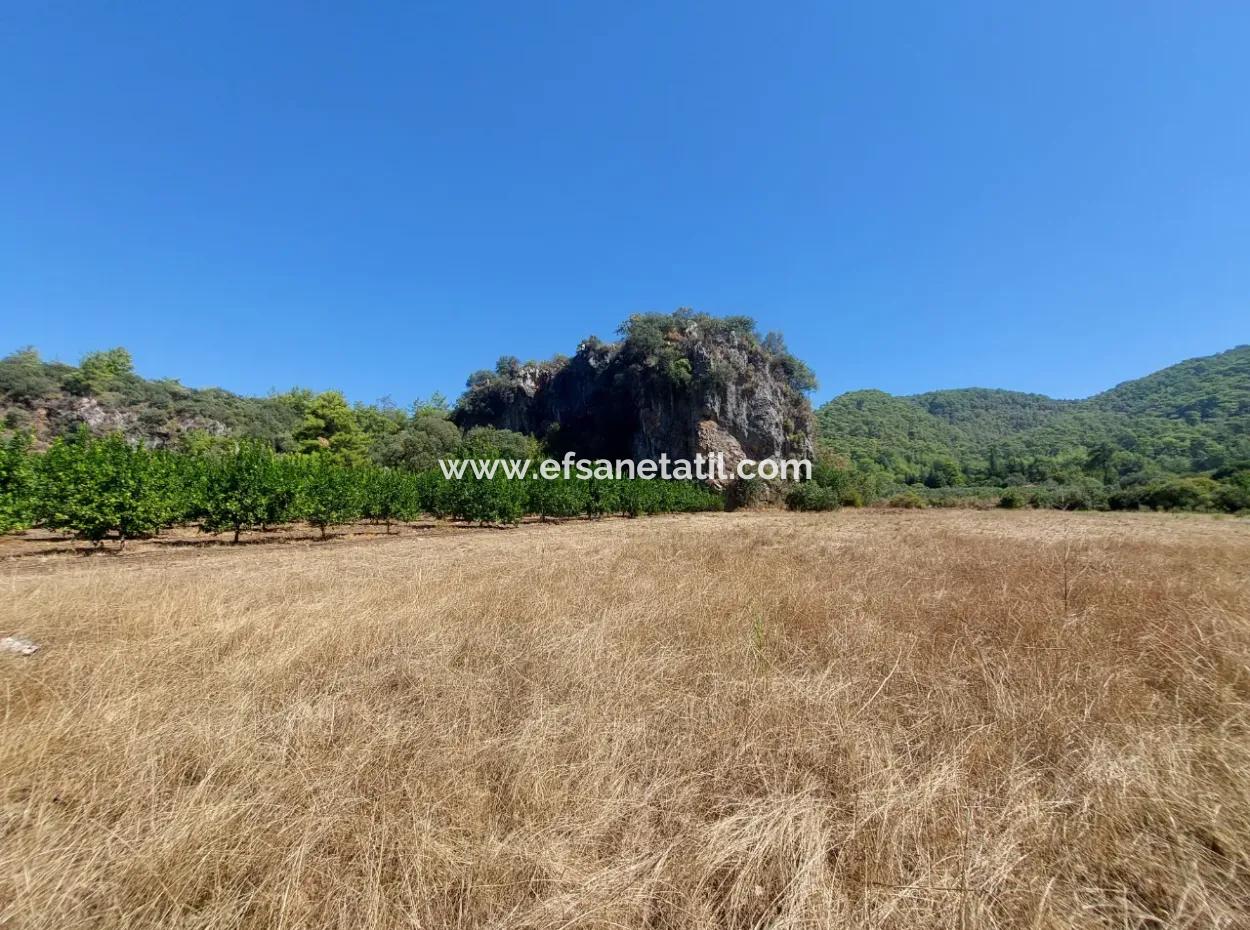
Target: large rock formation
[(680, 384)]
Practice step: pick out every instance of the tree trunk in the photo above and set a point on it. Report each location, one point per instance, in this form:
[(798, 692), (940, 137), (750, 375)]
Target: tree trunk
[(236, 535)]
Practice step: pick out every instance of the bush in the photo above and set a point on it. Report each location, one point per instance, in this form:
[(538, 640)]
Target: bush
[(602, 497), (1233, 494), (1013, 499), (810, 496), (1198, 493), (560, 497), (24, 377), (855, 485), (746, 492), (1042, 497), (908, 500), (1086, 494)]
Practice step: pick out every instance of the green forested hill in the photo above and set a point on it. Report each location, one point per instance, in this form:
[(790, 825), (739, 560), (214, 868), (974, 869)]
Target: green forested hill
[(1190, 418), (987, 415), (1211, 388)]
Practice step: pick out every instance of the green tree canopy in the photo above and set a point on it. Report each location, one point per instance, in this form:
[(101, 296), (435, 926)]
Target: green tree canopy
[(331, 426)]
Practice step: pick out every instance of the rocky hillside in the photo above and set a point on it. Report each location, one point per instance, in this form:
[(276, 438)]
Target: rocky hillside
[(679, 384), (50, 399)]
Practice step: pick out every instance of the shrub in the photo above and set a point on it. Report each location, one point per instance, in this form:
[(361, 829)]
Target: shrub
[(1042, 497), (24, 377), (1197, 493), (1233, 493), (747, 492), (1085, 494), (908, 500), (810, 496), (1013, 499), (602, 497)]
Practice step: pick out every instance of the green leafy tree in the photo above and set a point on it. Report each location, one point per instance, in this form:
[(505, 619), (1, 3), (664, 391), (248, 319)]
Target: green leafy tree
[(101, 371), (16, 483), (1233, 493), (436, 405), (602, 497), (943, 473), (389, 495), (329, 493), (283, 493), (485, 500), (487, 442), (330, 426), (25, 378), (559, 497), (237, 488), (98, 488), (1193, 493), (419, 446)]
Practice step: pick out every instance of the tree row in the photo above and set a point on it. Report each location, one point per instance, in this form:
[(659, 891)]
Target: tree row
[(106, 488)]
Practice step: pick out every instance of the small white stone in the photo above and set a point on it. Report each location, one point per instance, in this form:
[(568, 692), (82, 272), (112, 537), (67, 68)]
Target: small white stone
[(18, 646)]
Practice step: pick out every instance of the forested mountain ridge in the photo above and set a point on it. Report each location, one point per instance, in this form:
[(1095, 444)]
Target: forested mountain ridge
[(1212, 387), (1189, 418)]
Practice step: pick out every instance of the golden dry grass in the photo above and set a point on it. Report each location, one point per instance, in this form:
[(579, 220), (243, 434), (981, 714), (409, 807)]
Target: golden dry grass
[(747, 720)]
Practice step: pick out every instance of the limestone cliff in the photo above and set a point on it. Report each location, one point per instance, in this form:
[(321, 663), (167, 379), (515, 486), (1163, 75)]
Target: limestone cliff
[(681, 384)]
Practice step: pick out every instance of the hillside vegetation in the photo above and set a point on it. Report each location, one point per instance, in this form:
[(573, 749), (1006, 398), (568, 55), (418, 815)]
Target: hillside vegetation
[(1192, 419), (686, 383)]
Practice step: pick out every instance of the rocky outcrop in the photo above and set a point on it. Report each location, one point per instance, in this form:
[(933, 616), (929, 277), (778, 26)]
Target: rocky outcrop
[(63, 414), (677, 384)]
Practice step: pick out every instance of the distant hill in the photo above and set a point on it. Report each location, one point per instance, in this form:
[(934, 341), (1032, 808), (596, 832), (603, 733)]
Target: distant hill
[(1191, 417), (1211, 388)]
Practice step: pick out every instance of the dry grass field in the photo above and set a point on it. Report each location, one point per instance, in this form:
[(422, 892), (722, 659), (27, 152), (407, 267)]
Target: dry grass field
[(864, 719)]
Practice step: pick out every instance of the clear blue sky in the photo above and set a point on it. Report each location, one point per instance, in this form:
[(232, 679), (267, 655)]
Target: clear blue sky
[(383, 197)]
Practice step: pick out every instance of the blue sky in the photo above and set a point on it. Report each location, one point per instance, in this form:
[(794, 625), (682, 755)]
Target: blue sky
[(383, 197)]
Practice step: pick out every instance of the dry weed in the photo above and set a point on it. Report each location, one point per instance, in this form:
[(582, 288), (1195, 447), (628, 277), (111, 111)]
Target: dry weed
[(746, 720)]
